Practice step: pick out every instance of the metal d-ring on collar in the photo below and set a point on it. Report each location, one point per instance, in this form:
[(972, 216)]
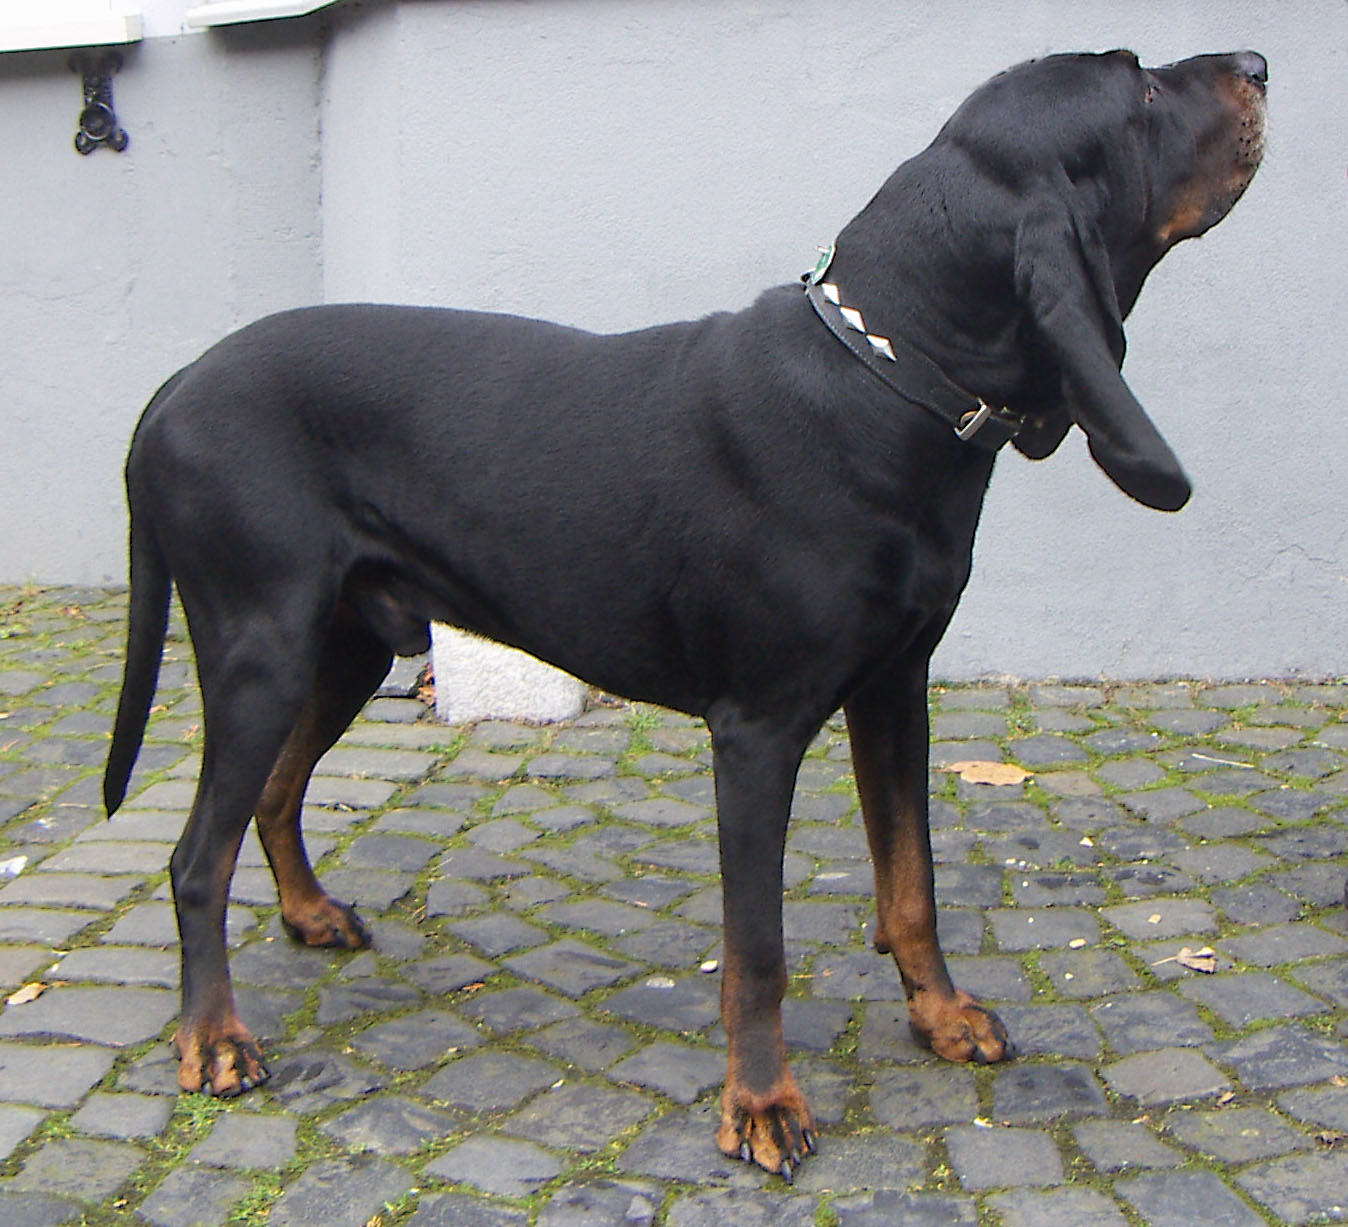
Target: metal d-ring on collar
[(906, 371)]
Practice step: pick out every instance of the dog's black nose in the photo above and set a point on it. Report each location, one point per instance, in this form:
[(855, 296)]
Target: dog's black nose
[(1253, 65)]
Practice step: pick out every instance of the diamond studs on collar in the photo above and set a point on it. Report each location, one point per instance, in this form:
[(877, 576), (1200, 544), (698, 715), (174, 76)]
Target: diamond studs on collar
[(853, 319)]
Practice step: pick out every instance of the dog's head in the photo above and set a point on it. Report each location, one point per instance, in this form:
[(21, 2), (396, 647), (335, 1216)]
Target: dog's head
[(1115, 164)]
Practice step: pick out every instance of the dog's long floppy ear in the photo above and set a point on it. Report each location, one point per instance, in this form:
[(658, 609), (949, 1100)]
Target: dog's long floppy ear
[(1063, 280)]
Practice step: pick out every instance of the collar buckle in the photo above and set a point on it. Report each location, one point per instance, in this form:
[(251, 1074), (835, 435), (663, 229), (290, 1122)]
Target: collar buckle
[(972, 422)]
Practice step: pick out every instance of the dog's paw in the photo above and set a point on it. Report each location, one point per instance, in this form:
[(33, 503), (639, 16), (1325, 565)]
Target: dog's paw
[(222, 1060), (325, 922), (958, 1028), (775, 1131)]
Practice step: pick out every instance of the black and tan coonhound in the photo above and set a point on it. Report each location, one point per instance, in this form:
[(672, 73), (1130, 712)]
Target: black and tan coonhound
[(755, 517)]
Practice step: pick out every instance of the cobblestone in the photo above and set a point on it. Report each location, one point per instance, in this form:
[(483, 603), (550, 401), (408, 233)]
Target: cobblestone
[(193, 1197), (995, 1158), (243, 1141), (1236, 1135), (1165, 1076), (532, 1041), (1301, 1188), (572, 967), (1056, 1208), (497, 1165), (1180, 1199)]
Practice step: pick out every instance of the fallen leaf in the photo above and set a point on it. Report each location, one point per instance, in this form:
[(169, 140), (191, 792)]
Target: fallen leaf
[(1076, 943), (1154, 918), (1204, 960), (1225, 1097), (29, 992), (976, 771)]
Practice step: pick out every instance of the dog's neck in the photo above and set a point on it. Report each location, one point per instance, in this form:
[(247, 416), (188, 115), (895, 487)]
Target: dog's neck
[(905, 368)]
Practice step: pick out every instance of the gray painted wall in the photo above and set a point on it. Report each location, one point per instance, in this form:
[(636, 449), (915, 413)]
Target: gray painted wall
[(116, 269), (612, 164)]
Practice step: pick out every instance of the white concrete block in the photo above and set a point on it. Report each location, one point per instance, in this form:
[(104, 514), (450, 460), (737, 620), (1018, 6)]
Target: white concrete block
[(476, 679)]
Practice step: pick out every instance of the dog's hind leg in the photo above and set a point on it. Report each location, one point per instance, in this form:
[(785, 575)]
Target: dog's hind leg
[(764, 1116), (253, 680), (888, 726), (353, 663)]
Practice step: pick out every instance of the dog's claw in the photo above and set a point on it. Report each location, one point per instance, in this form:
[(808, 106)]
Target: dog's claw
[(775, 1136)]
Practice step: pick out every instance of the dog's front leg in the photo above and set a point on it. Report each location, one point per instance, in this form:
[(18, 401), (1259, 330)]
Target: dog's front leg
[(888, 727), (764, 1117)]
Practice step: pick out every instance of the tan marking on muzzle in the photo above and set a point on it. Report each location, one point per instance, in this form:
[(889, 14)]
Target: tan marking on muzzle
[(1212, 195)]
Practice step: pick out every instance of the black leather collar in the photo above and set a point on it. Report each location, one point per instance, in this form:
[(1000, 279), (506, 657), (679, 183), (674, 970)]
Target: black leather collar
[(907, 371)]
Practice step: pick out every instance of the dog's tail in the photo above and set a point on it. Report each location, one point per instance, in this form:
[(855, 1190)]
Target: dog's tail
[(147, 624)]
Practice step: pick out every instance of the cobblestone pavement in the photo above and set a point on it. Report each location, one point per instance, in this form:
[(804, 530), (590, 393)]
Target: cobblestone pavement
[(534, 1036)]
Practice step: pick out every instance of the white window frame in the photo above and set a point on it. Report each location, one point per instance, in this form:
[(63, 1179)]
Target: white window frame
[(228, 12), (31, 25), (37, 24)]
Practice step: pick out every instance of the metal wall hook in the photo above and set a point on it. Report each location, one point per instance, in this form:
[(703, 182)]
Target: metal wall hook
[(98, 121)]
